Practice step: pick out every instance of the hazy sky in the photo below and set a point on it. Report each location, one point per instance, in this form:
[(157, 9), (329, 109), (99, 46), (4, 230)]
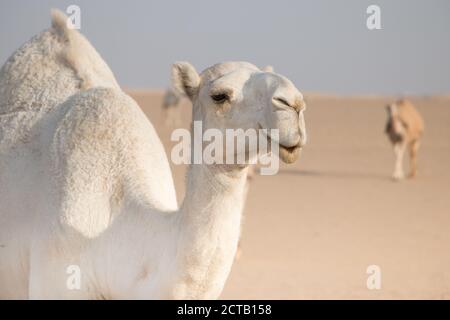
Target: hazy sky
[(322, 46)]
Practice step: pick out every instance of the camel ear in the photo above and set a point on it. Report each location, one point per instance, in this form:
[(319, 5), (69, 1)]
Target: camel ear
[(268, 68), (185, 79)]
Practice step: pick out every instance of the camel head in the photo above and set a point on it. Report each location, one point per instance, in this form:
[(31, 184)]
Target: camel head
[(394, 125), (238, 95), (392, 110)]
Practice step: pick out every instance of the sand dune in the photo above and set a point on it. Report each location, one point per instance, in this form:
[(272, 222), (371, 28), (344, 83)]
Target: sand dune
[(311, 230)]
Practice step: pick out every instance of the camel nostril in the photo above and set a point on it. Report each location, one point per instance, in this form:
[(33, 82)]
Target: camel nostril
[(282, 101), (298, 104)]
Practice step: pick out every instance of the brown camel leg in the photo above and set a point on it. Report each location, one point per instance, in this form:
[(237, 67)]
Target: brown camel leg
[(413, 148)]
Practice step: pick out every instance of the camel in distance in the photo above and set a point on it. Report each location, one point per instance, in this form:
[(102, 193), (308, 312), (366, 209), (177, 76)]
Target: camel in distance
[(404, 128), (85, 183), (171, 107)]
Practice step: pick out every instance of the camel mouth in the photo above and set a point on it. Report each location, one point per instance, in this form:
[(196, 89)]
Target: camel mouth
[(290, 149), (287, 154)]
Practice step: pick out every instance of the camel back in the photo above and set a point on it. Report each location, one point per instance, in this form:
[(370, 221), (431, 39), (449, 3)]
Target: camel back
[(411, 117)]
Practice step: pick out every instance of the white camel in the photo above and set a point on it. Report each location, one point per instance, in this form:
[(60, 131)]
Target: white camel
[(87, 201), (172, 115), (404, 128)]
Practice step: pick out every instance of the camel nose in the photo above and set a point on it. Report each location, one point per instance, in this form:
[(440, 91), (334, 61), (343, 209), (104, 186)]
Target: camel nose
[(289, 98), (299, 104)]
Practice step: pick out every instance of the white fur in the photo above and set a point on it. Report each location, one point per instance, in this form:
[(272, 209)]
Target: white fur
[(84, 179)]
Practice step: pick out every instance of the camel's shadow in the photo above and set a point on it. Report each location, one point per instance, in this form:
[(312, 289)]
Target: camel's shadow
[(335, 174)]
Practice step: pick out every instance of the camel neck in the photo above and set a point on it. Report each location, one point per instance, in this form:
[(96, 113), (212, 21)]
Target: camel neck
[(209, 223)]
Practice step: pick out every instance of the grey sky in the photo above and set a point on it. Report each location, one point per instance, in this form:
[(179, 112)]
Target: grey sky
[(322, 46)]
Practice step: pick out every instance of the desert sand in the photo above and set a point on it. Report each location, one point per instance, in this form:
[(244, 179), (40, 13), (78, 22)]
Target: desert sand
[(312, 230)]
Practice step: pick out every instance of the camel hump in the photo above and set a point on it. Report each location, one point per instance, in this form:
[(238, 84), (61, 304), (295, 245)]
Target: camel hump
[(411, 117), (59, 22), (80, 55)]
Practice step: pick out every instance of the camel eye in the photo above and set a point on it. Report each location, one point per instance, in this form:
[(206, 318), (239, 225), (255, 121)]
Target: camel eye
[(220, 98)]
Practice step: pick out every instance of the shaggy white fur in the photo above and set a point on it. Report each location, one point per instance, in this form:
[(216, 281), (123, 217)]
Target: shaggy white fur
[(84, 179), (67, 158)]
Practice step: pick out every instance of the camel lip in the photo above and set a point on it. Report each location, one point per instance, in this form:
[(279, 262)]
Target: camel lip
[(290, 149), (287, 149)]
